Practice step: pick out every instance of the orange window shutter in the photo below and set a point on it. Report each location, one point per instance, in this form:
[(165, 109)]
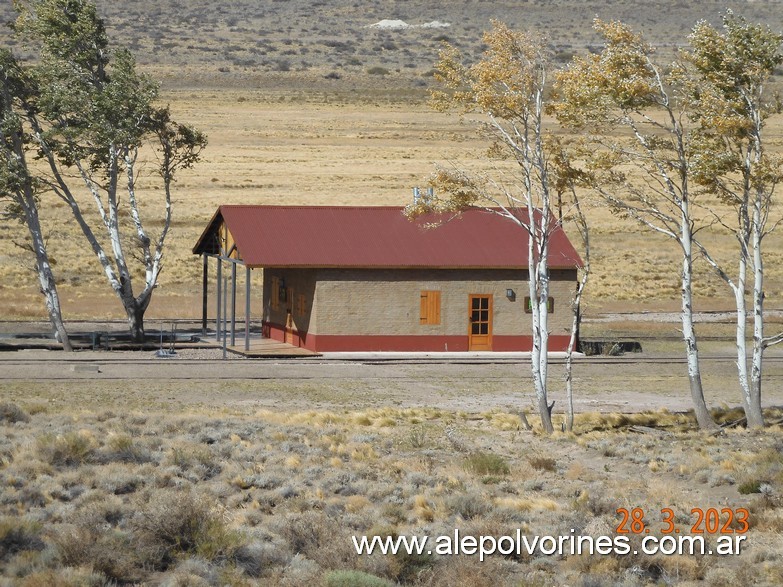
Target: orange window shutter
[(435, 307), (430, 307)]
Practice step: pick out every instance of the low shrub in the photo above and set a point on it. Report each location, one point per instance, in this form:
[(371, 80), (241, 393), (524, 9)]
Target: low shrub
[(354, 579), (19, 535), (11, 413), (181, 522), (481, 463), (543, 464), (111, 552)]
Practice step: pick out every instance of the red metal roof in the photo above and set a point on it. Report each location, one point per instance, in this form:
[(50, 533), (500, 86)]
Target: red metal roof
[(376, 236)]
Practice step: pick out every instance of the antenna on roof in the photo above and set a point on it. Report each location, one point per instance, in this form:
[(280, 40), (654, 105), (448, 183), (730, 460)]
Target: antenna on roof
[(417, 195)]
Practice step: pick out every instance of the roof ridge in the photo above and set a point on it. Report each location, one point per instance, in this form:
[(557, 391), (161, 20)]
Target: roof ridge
[(314, 206)]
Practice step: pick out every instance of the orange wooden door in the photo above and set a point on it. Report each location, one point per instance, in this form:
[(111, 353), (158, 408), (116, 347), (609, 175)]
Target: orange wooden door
[(480, 327)]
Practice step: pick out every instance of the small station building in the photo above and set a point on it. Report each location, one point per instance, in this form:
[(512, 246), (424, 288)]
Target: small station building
[(345, 278)]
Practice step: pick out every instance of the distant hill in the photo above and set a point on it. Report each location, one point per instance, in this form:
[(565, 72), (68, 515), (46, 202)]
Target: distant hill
[(215, 43)]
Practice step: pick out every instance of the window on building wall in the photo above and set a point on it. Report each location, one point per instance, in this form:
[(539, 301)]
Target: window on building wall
[(301, 305), (550, 305), (430, 307), (275, 293)]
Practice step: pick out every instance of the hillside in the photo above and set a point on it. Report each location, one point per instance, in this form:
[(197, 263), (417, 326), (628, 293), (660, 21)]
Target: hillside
[(205, 43)]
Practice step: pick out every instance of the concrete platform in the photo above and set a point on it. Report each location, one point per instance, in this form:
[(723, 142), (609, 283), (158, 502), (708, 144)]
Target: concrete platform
[(262, 348)]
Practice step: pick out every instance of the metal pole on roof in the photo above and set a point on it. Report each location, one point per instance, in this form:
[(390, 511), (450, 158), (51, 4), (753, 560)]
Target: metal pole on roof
[(247, 308), (233, 303), (219, 287)]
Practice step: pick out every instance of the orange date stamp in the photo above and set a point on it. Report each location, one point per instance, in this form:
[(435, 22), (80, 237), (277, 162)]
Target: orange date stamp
[(703, 521)]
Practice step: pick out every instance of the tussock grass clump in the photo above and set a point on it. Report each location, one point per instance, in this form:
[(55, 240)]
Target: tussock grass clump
[(748, 487), (595, 421), (68, 577), (69, 449), (482, 463), (124, 448)]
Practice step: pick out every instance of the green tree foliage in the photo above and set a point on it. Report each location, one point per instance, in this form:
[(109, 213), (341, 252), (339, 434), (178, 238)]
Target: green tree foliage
[(19, 188), (92, 115)]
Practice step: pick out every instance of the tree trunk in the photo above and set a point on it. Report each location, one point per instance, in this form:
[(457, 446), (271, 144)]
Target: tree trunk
[(741, 339), (135, 309), (573, 340), (754, 411), (538, 288), (44, 270), (703, 416), (49, 289)]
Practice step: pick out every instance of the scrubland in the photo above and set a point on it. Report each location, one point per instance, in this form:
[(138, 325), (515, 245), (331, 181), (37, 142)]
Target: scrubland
[(241, 496), (122, 482)]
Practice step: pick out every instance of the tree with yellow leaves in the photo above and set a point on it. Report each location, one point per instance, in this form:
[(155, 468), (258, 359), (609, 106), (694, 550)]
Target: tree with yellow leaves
[(648, 175), (727, 73), (506, 87)]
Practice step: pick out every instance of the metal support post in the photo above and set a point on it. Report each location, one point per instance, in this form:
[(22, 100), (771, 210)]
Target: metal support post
[(233, 303), (247, 309), (204, 296), (219, 288), (225, 325)]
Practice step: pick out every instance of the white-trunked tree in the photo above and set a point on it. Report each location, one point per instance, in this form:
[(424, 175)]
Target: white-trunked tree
[(646, 177), (20, 188), (507, 88), (91, 118), (728, 75)]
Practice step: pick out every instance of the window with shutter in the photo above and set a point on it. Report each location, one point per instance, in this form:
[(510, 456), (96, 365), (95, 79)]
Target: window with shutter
[(430, 307)]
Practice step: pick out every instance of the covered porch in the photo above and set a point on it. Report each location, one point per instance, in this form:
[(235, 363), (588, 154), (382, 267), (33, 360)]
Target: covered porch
[(231, 283)]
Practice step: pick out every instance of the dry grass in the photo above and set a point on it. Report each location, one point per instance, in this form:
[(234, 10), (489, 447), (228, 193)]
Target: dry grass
[(190, 497), (296, 137), (337, 152)]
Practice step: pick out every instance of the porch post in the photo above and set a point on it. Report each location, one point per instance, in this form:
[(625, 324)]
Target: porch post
[(219, 288), (204, 296), (225, 298), (233, 303), (247, 308)]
